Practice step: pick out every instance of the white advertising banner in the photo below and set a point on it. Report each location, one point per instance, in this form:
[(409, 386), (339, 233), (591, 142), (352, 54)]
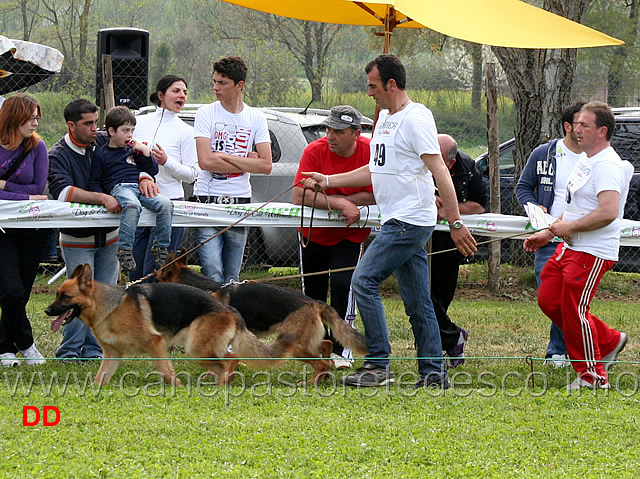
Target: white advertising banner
[(59, 214)]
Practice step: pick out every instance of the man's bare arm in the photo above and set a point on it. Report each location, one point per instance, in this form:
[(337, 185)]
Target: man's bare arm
[(605, 213), (219, 162)]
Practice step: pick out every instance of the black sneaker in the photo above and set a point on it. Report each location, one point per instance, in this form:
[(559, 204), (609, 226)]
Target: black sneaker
[(126, 259), (433, 383), (160, 255), (369, 375)]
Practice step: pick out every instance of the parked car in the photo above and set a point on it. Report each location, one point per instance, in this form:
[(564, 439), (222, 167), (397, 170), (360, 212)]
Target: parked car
[(291, 130), (626, 142)]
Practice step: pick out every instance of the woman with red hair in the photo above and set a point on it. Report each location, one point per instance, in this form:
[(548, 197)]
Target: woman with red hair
[(24, 165)]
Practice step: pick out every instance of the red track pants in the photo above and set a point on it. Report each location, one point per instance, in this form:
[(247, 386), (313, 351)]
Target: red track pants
[(568, 283)]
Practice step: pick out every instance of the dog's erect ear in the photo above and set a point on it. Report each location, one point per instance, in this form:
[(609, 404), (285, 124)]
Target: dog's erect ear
[(170, 257), (79, 271), (84, 274)]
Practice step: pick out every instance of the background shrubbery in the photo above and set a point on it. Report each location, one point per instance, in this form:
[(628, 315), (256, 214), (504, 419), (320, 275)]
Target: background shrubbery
[(451, 109)]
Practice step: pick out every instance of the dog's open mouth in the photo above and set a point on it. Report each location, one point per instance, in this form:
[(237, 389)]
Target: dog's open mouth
[(64, 318)]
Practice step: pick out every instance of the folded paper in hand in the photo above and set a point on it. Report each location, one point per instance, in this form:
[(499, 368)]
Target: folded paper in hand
[(539, 219)]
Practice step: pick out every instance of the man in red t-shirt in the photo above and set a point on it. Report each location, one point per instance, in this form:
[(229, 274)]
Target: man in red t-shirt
[(342, 150)]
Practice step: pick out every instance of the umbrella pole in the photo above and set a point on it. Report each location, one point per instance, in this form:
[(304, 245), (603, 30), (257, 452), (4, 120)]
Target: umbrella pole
[(389, 23)]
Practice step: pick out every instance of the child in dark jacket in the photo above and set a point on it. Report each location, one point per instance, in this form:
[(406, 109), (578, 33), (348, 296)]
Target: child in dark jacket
[(115, 169)]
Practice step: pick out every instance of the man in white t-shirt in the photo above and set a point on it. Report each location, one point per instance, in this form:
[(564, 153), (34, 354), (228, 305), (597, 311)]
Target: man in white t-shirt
[(596, 193), (543, 182), (225, 133), (404, 160)]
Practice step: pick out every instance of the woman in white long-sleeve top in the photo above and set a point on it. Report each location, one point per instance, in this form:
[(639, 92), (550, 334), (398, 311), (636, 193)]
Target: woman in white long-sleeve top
[(173, 146)]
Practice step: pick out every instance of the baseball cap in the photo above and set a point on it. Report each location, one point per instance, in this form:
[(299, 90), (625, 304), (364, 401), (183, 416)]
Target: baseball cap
[(342, 117)]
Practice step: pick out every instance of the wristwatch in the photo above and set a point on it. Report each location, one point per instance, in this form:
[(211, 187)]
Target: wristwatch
[(456, 225)]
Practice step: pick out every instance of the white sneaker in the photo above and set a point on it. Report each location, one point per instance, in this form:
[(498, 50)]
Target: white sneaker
[(579, 383), (32, 356), (610, 358), (339, 362), (9, 360), (557, 361)]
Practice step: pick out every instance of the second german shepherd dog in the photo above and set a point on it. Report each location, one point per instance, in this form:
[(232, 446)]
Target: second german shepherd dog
[(269, 309), (148, 318)]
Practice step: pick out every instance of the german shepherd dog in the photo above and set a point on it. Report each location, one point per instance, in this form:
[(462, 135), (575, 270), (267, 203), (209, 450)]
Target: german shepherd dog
[(269, 309), (149, 318)]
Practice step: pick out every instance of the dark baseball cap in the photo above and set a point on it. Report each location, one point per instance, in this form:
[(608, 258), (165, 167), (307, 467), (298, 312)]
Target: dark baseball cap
[(342, 117)]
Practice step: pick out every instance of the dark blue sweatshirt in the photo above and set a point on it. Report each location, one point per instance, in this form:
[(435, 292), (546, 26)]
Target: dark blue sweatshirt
[(111, 166)]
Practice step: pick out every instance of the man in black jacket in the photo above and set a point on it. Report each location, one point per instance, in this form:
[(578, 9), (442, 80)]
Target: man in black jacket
[(473, 195)]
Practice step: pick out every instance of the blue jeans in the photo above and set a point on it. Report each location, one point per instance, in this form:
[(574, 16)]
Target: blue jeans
[(132, 201), (145, 261), (77, 338), (556, 336), (399, 248), (221, 258)]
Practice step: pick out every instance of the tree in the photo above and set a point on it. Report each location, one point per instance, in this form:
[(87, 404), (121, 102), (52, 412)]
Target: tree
[(68, 30), (309, 43), (475, 49), (23, 13), (540, 82)]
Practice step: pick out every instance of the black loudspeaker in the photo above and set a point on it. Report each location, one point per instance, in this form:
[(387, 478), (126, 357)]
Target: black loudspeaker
[(129, 50)]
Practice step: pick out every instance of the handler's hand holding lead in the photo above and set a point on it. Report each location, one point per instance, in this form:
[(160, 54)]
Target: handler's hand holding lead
[(314, 179)]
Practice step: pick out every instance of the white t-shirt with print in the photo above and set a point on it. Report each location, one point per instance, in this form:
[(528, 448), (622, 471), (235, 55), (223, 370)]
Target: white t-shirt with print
[(233, 133), (565, 162), (402, 183), (604, 171)]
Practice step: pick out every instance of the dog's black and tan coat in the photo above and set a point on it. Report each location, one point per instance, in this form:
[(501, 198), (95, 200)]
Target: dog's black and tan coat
[(269, 309), (149, 318)]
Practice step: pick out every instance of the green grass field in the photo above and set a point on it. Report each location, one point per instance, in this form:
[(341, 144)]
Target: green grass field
[(493, 423)]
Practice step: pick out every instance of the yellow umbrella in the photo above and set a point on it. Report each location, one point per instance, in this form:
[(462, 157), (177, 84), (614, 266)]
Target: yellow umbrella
[(504, 23)]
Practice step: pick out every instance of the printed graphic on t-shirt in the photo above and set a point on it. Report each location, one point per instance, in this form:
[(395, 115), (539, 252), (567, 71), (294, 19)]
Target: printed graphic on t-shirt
[(231, 139), (382, 148)]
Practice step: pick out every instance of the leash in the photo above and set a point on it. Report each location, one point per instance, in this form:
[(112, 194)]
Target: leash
[(195, 248), (350, 268), (313, 209)]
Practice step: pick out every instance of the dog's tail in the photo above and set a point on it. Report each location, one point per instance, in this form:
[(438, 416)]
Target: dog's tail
[(348, 337), (246, 345)]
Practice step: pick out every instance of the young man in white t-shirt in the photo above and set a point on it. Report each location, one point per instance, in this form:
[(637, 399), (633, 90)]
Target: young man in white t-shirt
[(225, 133), (543, 182), (404, 160), (590, 226)]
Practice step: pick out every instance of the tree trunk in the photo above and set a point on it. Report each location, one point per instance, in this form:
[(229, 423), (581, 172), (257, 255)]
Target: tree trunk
[(476, 76), (83, 32), (494, 173), (25, 20)]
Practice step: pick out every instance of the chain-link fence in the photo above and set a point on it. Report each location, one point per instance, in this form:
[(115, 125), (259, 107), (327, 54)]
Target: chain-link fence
[(451, 97)]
